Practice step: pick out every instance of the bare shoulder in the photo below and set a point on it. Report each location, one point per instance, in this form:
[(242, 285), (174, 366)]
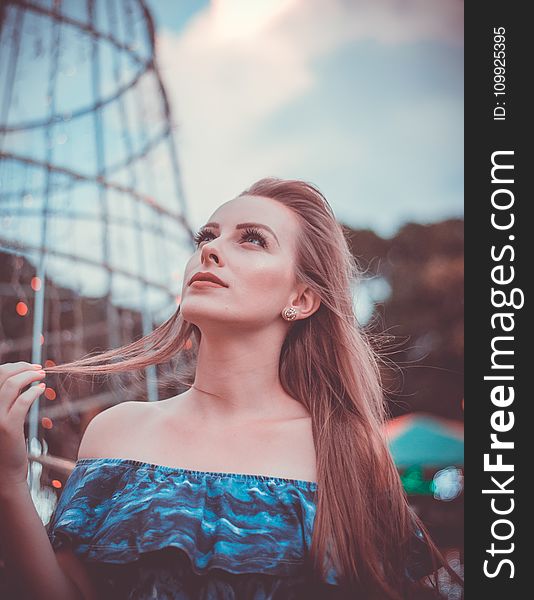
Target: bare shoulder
[(106, 432)]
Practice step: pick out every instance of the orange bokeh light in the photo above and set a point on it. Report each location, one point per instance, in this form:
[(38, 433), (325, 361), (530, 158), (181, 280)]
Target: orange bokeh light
[(188, 345), (47, 423), (21, 308), (56, 483), (50, 393), (35, 283), (49, 363)]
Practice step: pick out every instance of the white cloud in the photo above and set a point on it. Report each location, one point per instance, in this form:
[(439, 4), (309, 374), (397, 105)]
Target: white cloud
[(239, 62)]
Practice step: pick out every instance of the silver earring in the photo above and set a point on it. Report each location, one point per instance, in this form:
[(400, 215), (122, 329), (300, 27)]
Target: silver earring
[(289, 314)]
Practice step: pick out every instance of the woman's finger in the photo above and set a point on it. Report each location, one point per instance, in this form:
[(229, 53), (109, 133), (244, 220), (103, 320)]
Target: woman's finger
[(12, 386), (17, 414)]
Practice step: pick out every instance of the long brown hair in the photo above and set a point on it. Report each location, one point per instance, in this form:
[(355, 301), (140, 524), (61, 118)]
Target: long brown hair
[(364, 523)]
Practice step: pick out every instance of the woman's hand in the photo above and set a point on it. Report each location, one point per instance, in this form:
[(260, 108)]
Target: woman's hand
[(14, 407)]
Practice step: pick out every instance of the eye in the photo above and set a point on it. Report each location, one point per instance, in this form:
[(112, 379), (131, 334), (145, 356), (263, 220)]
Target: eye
[(201, 236), (255, 234), (249, 233)]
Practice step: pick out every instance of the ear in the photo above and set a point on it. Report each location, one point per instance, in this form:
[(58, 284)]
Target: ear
[(306, 301)]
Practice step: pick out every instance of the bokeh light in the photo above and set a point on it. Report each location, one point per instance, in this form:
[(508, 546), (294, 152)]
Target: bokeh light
[(22, 309)]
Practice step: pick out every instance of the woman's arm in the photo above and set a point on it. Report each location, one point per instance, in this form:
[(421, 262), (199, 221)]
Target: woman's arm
[(30, 558), (419, 562)]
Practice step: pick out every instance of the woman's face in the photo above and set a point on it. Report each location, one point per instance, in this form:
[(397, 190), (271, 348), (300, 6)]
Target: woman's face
[(256, 262)]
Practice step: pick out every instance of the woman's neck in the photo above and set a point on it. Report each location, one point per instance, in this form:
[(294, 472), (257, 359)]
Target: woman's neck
[(237, 379)]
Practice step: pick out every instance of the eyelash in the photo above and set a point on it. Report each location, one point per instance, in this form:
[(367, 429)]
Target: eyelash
[(249, 232)]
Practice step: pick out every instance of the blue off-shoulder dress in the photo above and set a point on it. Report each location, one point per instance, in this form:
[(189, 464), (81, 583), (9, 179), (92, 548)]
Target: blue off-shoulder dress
[(147, 531)]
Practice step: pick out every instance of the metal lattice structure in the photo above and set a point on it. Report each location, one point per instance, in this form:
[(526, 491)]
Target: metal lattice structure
[(90, 187)]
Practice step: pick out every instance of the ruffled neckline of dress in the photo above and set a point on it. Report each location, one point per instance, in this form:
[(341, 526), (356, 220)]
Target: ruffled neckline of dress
[(114, 510), (118, 510), (311, 486)]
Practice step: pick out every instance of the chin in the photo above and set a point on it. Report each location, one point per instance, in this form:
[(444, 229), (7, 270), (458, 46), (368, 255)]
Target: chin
[(199, 311)]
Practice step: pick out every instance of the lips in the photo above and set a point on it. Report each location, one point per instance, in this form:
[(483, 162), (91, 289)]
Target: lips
[(207, 277)]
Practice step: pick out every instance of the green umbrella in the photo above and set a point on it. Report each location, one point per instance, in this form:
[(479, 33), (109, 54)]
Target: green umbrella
[(425, 441)]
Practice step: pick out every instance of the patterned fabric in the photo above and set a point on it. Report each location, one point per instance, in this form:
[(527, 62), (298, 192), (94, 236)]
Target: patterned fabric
[(150, 531)]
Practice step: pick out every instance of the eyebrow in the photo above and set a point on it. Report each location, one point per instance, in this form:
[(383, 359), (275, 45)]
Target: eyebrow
[(245, 226)]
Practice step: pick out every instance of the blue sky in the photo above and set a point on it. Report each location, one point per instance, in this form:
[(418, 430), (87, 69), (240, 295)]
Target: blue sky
[(364, 99)]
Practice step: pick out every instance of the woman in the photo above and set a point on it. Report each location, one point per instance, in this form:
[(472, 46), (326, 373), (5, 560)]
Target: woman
[(285, 487)]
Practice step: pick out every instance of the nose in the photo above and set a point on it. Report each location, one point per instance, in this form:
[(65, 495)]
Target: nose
[(207, 254)]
